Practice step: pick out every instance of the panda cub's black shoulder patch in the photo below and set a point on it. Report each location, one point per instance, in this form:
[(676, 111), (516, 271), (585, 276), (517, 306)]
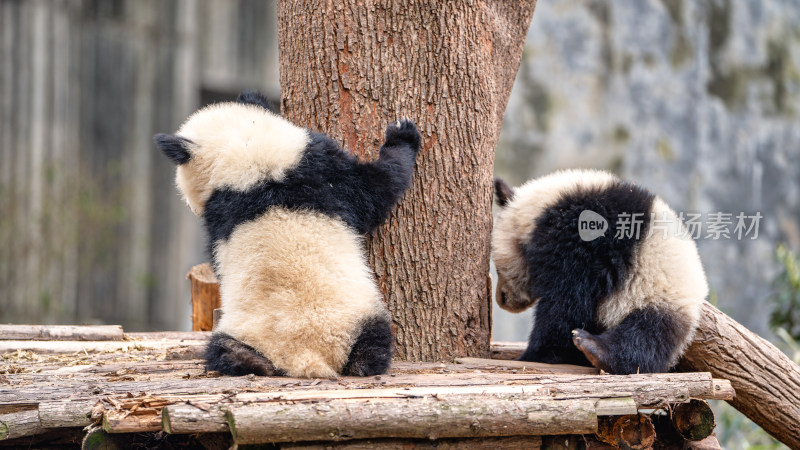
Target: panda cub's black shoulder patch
[(564, 266), (318, 183)]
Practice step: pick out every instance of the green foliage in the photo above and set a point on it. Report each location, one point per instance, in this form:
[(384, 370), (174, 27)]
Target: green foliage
[(786, 295)]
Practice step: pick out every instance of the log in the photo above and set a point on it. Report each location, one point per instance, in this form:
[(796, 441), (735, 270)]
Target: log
[(532, 367), (97, 439), (50, 347), (631, 431), (500, 443), (206, 415), (66, 413), (767, 382), (194, 417), (694, 420), (61, 332), (205, 296), (421, 417), (124, 422), (647, 390), (19, 424), (507, 350), (170, 336)]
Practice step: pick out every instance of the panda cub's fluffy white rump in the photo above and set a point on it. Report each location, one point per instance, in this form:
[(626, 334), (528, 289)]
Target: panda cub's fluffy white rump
[(285, 209), (624, 302)]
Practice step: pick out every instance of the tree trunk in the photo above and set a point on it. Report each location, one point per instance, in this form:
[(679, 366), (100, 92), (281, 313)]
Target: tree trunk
[(348, 68)]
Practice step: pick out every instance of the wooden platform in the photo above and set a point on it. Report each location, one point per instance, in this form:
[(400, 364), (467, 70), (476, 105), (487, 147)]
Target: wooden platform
[(99, 392)]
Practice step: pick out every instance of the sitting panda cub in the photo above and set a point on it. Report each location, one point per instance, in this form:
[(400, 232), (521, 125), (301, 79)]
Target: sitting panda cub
[(285, 209), (627, 303)]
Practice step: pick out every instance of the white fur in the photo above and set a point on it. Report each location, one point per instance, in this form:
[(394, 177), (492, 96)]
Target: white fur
[(236, 145), (667, 275), (295, 286)]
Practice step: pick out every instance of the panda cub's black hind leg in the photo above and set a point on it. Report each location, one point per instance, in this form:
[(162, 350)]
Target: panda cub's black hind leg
[(644, 342), (371, 354), (230, 356)]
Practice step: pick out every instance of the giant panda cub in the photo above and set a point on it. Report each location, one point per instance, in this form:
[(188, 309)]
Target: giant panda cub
[(285, 210), (625, 304)]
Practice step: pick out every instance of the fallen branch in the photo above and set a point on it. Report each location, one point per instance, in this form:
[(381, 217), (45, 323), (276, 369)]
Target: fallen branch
[(767, 382)]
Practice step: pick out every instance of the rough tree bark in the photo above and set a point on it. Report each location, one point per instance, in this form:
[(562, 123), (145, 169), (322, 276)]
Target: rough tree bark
[(350, 67)]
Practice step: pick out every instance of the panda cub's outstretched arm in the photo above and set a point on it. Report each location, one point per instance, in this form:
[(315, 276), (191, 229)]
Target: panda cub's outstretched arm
[(386, 179)]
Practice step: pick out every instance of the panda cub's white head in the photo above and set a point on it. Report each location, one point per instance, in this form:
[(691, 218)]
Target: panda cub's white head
[(231, 145)]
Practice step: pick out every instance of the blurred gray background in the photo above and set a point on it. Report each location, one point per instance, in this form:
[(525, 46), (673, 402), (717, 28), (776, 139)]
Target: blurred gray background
[(696, 100)]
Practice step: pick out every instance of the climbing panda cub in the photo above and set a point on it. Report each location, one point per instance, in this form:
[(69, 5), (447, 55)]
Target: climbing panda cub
[(285, 210), (626, 304)]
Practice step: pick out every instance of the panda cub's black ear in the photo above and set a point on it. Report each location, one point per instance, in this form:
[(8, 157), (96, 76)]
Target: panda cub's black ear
[(175, 147), (258, 99), (502, 192)]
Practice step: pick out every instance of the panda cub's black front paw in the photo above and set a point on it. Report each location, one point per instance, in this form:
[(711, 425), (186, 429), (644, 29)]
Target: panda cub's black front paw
[(403, 132)]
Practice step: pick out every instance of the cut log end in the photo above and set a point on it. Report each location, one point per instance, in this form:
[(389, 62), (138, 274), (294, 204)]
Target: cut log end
[(633, 431), (693, 420), (205, 296)]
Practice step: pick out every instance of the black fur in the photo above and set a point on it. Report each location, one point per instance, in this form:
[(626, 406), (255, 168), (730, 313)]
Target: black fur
[(326, 180), (258, 99), (230, 356), (569, 276), (174, 147), (642, 343), (502, 192), (371, 354)]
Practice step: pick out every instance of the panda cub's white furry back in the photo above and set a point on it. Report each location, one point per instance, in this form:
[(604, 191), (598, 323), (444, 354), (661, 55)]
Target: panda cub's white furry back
[(624, 302), (285, 209)]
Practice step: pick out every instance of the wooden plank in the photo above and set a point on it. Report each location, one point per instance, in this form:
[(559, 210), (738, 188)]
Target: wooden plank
[(61, 332), (534, 367)]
